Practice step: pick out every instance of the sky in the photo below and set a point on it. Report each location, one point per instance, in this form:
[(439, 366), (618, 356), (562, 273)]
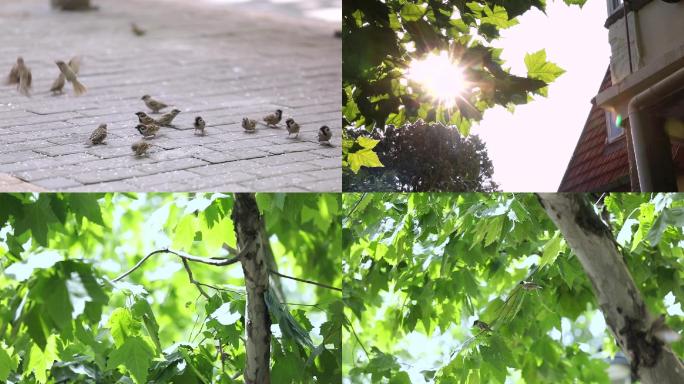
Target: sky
[(531, 148)]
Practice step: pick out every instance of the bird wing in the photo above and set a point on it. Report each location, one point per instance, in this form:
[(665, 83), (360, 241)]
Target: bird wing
[(75, 64)]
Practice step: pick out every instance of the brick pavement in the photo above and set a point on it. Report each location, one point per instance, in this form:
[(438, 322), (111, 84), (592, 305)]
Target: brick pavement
[(215, 61)]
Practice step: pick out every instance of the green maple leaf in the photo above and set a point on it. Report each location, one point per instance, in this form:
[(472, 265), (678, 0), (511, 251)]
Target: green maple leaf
[(122, 325), (40, 361), (363, 158), (135, 355)]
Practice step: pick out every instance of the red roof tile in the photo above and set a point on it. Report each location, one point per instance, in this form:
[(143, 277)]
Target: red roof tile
[(597, 166)]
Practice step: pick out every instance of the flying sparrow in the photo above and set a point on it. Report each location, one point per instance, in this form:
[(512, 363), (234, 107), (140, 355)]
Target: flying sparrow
[(58, 84), (324, 135), (71, 77), (144, 119), (166, 119), (148, 130), (199, 125), (274, 118), (99, 135), (482, 325), (292, 127), (249, 125), (530, 286), (140, 148), (153, 104), (137, 30)]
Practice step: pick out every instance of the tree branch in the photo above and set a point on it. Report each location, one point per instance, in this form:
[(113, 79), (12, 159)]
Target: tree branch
[(305, 281), (184, 256), (192, 279), (635, 329)]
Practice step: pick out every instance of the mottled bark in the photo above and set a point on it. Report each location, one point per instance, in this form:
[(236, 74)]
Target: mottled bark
[(249, 228), (619, 299)]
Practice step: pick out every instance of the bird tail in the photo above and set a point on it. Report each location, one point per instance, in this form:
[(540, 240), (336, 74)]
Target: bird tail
[(79, 88), (24, 88)]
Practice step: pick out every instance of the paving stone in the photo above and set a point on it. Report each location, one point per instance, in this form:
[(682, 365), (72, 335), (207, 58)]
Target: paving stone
[(221, 62)]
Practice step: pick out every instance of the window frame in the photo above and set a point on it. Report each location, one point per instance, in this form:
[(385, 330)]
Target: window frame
[(611, 128), (612, 8)]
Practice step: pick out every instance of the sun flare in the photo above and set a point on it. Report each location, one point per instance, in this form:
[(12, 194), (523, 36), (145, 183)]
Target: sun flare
[(440, 76)]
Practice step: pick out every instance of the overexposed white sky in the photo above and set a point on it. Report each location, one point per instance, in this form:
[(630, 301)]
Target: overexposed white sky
[(531, 148)]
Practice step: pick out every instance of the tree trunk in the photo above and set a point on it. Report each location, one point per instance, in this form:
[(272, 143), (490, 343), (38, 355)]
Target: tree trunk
[(248, 228), (619, 299)]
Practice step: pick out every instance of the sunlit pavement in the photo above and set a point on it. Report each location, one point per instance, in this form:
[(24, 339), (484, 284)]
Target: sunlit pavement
[(220, 61), (325, 10)]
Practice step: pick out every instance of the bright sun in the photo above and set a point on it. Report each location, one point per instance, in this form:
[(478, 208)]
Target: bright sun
[(439, 76)]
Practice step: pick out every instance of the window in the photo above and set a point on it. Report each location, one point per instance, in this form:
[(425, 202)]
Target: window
[(613, 5), (614, 131)]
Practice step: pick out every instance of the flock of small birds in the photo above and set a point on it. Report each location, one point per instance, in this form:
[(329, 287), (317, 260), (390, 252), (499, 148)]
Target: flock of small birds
[(20, 74), (148, 127)]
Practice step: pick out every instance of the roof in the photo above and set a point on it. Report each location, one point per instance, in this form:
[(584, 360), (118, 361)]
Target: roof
[(596, 165)]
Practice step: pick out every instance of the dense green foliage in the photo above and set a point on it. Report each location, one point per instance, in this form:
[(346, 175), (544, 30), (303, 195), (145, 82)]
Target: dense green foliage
[(422, 157), (381, 38), (420, 268), (63, 319)]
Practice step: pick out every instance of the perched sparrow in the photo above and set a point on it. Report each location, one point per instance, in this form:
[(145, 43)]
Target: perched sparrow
[(168, 118), (144, 119), (324, 135), (274, 118), (482, 325), (530, 286), (13, 77), (23, 77), (148, 130), (153, 104), (199, 125), (249, 125), (137, 30), (58, 84), (99, 135), (140, 148), (292, 127), (71, 77)]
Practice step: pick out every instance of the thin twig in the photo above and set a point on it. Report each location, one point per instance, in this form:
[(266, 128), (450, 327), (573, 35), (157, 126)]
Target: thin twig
[(351, 326), (356, 205), (184, 256), (192, 279), (305, 281)]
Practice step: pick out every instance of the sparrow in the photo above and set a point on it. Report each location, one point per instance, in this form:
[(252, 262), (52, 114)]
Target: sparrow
[(530, 286), (137, 30), (144, 119), (324, 135), (292, 127), (13, 77), (140, 148), (58, 84), (274, 118), (148, 130), (99, 135), (199, 125), (248, 124), (168, 118), (20, 74), (71, 77), (153, 104), (25, 79), (482, 325), (663, 332)]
